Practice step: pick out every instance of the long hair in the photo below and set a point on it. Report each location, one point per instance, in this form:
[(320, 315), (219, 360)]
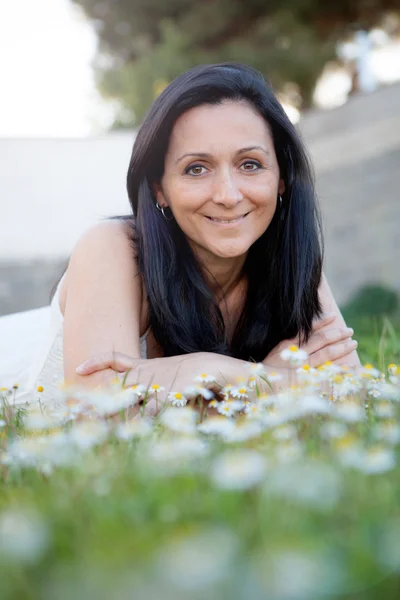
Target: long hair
[(283, 267)]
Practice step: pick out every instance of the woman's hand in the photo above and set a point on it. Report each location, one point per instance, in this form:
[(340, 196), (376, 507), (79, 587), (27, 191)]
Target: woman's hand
[(172, 374), (325, 344), (108, 360)]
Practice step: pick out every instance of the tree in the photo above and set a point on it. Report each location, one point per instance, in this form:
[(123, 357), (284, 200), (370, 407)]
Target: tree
[(144, 44)]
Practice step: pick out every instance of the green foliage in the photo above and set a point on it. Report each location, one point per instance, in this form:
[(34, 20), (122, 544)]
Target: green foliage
[(144, 44), (174, 514), (374, 314), (374, 300)]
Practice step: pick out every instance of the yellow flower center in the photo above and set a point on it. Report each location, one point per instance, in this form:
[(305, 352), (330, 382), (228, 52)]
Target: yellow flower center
[(40, 388), (178, 396), (293, 348), (155, 387)]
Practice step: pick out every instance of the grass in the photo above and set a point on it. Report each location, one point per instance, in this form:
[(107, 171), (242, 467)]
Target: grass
[(295, 501)]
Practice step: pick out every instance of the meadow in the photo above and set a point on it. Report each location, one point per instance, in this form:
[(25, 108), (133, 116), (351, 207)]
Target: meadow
[(278, 495)]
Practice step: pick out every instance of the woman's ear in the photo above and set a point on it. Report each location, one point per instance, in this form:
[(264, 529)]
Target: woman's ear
[(281, 187), (158, 194)]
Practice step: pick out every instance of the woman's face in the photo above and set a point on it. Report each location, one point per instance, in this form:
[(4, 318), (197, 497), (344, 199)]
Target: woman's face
[(221, 164)]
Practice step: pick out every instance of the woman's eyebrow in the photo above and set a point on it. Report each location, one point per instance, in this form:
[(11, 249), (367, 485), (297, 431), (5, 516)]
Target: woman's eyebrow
[(205, 155)]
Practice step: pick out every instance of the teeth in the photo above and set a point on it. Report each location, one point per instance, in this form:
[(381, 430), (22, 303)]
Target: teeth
[(231, 221)]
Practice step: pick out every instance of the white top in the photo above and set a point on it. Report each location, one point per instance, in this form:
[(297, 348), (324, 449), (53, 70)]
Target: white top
[(31, 351)]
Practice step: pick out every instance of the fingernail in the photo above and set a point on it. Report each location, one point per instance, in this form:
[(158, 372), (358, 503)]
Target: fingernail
[(80, 369)]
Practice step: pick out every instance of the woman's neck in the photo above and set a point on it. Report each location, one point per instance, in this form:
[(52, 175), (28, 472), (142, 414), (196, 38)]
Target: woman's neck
[(224, 279)]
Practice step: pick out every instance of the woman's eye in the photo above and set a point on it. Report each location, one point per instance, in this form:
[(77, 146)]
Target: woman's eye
[(187, 171), (252, 163)]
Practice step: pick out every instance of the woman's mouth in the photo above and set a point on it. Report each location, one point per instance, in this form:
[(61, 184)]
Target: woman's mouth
[(227, 221)]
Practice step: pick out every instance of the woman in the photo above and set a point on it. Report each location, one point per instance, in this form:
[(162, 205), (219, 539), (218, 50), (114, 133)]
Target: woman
[(221, 261)]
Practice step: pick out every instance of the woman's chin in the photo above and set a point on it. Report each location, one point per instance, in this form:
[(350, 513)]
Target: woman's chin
[(231, 252)]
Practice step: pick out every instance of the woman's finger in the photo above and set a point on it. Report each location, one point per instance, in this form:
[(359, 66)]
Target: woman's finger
[(327, 337), (107, 360), (332, 352), (323, 321)]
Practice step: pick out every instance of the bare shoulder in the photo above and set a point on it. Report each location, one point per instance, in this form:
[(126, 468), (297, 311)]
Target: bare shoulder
[(109, 240), (103, 295)]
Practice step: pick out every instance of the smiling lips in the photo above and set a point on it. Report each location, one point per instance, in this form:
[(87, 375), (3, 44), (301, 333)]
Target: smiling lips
[(227, 221)]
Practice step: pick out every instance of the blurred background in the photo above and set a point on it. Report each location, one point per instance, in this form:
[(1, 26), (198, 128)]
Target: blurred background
[(78, 75)]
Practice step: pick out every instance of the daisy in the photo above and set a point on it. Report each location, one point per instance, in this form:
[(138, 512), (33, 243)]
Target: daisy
[(177, 399), (252, 410), (349, 410), (327, 370), (252, 382), (169, 456), (155, 389), (369, 371), (312, 404), (229, 408), (134, 428), (138, 389), (238, 470), (348, 450), (240, 392), (241, 432), (274, 376), (387, 432), (24, 535), (289, 451), (213, 403), (88, 434), (294, 354), (256, 369), (216, 426), (377, 460), (198, 390), (306, 373), (205, 378), (226, 390), (384, 409), (285, 432), (333, 429), (182, 420)]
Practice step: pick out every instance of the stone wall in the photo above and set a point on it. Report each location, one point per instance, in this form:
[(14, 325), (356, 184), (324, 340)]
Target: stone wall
[(356, 153)]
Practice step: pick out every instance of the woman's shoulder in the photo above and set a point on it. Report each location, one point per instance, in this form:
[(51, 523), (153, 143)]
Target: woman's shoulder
[(113, 237)]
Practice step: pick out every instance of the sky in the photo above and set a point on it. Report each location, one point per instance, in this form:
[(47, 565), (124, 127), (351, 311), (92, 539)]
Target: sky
[(47, 85)]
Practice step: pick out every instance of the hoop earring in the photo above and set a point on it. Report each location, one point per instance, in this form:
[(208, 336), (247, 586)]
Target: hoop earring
[(161, 208), (282, 211)]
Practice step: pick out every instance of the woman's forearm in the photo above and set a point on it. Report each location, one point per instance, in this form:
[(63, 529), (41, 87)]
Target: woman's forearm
[(177, 373), (174, 374)]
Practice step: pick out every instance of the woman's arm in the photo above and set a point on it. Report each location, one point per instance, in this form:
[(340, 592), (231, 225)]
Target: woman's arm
[(175, 373), (331, 340), (329, 305)]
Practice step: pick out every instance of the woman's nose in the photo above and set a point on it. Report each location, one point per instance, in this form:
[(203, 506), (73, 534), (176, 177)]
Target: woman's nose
[(226, 191)]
